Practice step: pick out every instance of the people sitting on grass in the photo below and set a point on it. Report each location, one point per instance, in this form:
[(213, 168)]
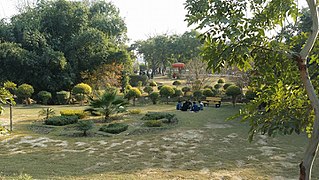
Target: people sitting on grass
[(185, 106), (201, 105), (179, 105), (195, 107)]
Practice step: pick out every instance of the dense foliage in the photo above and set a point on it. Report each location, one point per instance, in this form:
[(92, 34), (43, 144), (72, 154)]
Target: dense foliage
[(51, 44)]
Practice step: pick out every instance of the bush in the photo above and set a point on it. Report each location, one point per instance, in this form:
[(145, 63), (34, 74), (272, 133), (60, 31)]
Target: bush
[(62, 97), (178, 92), (196, 85), (79, 113), (177, 83), (85, 126), (165, 117), (148, 89), (133, 94), (153, 83), (217, 86), (159, 87), (188, 94), (209, 93), (115, 128), (134, 79), (25, 91), (82, 88), (197, 94), (250, 95), (233, 91), (153, 123), (154, 96), (44, 96), (208, 87), (221, 81), (227, 85), (61, 120), (167, 91), (186, 89), (135, 111)]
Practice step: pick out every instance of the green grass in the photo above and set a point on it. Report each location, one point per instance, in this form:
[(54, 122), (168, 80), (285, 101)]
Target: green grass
[(201, 146)]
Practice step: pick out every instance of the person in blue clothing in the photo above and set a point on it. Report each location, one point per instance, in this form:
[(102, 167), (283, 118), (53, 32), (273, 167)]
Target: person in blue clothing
[(179, 105), (195, 107)]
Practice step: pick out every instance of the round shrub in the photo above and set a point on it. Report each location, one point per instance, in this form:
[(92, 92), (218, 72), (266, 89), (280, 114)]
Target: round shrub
[(186, 89), (188, 94), (197, 94), (148, 89), (208, 87), (62, 97), (115, 128), (61, 120), (159, 87), (153, 123), (178, 92), (217, 86), (82, 88), (233, 91), (221, 81), (25, 91), (128, 87), (250, 95), (227, 85), (44, 96), (133, 94), (167, 91), (154, 96), (153, 83), (208, 92), (177, 83)]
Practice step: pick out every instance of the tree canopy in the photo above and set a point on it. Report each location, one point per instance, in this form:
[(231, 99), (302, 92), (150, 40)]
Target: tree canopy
[(51, 44), (243, 33)]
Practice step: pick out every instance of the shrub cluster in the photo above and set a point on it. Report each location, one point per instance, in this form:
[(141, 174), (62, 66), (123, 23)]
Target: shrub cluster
[(79, 113), (134, 79), (153, 123), (164, 117), (115, 128), (61, 120)]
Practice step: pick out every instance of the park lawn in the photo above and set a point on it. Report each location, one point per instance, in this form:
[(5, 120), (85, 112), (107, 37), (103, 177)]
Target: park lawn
[(201, 146)]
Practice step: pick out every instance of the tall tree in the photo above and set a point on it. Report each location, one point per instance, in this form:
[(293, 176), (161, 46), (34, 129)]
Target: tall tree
[(239, 33)]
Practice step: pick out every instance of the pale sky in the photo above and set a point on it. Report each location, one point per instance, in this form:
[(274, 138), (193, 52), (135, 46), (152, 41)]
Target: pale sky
[(144, 18)]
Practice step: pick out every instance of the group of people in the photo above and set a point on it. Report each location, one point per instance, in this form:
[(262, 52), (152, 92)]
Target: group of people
[(188, 105)]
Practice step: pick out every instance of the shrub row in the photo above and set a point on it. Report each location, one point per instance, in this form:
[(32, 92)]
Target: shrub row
[(79, 113), (61, 120), (115, 128)]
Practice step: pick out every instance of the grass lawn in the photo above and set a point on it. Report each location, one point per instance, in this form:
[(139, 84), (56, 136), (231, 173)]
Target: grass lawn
[(201, 146)]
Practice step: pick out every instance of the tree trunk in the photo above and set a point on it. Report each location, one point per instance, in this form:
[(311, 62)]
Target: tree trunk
[(134, 101), (312, 147)]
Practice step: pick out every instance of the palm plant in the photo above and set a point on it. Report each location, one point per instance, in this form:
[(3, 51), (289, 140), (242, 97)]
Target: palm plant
[(48, 112), (107, 104)]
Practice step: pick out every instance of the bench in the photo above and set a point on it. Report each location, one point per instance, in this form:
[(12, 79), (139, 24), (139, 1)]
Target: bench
[(213, 100)]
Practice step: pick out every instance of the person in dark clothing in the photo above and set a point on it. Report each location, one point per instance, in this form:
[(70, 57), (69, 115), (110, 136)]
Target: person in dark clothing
[(185, 106), (201, 105)]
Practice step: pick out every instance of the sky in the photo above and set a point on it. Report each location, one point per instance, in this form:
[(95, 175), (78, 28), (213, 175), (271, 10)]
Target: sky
[(144, 18)]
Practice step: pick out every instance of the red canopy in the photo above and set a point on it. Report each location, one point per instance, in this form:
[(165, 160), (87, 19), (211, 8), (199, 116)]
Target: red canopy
[(178, 65)]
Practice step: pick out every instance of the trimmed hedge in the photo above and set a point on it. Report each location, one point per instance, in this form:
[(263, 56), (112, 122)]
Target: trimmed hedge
[(61, 120), (153, 123), (79, 113), (115, 128)]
